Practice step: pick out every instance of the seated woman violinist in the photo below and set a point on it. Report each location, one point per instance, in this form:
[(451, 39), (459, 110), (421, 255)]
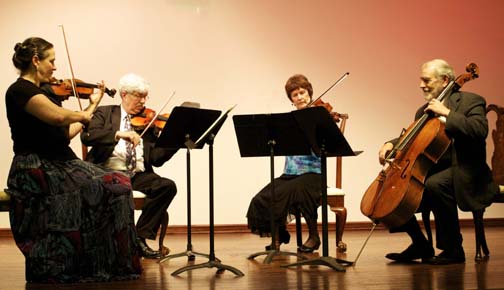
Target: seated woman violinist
[(72, 220), (297, 189)]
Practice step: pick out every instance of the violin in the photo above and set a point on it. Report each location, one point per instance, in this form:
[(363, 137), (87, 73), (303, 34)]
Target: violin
[(63, 89), (319, 103), (148, 118), (145, 118)]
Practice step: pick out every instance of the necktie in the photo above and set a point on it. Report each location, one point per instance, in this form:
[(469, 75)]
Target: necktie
[(130, 150)]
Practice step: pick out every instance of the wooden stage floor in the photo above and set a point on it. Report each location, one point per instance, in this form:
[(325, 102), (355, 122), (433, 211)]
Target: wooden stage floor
[(372, 270)]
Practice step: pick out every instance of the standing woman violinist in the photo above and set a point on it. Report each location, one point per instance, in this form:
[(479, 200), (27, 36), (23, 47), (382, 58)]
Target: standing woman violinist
[(298, 188), (460, 178), (116, 145), (72, 220)]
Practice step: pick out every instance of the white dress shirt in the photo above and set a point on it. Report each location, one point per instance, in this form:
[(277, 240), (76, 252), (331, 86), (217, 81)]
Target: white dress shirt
[(117, 161)]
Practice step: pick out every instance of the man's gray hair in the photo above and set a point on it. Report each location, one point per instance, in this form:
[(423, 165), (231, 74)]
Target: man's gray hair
[(441, 68), (132, 83)]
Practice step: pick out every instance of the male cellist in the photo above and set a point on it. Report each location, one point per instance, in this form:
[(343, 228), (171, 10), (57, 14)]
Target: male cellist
[(460, 178)]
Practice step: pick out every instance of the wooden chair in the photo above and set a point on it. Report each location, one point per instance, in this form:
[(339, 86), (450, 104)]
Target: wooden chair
[(4, 201), (479, 231), (335, 201), (498, 175), (139, 201)]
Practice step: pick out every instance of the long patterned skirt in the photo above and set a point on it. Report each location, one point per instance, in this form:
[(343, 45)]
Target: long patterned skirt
[(72, 220)]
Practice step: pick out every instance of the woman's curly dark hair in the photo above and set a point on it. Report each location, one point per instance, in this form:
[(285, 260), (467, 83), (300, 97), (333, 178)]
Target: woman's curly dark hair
[(298, 81)]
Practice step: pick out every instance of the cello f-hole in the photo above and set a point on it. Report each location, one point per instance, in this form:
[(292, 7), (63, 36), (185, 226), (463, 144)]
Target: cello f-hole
[(404, 174)]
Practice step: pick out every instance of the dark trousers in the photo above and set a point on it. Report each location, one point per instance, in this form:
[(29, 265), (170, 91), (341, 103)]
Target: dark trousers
[(160, 192), (439, 197)]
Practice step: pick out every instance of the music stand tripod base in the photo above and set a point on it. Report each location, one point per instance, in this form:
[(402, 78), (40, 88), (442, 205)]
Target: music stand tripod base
[(272, 253), (334, 263), (191, 256), (210, 264)]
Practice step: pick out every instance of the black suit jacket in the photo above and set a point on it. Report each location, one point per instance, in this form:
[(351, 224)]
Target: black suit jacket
[(467, 127), (100, 135)]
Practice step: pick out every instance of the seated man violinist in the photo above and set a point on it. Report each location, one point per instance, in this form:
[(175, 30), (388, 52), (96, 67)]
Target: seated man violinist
[(117, 146)]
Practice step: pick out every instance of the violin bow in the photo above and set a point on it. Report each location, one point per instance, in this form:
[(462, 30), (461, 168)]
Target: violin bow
[(157, 114), (70, 66), (335, 83)]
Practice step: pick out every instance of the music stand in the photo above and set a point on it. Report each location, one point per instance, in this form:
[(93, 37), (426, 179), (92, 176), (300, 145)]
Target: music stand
[(208, 138), (183, 124), (327, 141), (270, 135)]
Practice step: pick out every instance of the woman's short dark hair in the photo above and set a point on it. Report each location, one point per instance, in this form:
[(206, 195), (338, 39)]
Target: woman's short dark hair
[(24, 52), (298, 81)]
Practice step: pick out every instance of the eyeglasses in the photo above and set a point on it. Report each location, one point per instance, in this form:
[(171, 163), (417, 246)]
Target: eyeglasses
[(138, 96)]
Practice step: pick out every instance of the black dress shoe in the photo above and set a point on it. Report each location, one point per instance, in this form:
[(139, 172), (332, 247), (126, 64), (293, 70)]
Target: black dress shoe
[(146, 251), (306, 249), (284, 236), (447, 257), (422, 251)]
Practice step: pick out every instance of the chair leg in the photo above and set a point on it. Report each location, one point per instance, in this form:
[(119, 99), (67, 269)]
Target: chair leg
[(427, 225), (341, 217), (299, 232), (164, 226), (479, 231)]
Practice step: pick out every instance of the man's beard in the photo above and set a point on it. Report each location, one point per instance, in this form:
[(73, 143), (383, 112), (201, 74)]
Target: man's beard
[(431, 94)]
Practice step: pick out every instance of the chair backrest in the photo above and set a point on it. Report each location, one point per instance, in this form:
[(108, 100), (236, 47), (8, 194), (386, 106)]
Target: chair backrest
[(4, 201), (498, 141), (339, 159), (84, 152)]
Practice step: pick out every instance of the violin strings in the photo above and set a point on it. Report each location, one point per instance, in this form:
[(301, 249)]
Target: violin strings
[(157, 114)]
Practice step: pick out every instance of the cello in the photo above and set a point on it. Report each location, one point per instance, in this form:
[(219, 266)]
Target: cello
[(395, 195)]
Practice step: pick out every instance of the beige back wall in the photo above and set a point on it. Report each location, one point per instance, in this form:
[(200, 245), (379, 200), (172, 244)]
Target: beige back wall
[(225, 52)]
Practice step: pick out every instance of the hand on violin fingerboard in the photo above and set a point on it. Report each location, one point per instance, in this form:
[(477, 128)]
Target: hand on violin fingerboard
[(95, 98)]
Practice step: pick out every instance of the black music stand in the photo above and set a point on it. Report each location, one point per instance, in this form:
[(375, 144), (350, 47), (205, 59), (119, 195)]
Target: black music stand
[(183, 124), (326, 141), (270, 135), (208, 138)]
